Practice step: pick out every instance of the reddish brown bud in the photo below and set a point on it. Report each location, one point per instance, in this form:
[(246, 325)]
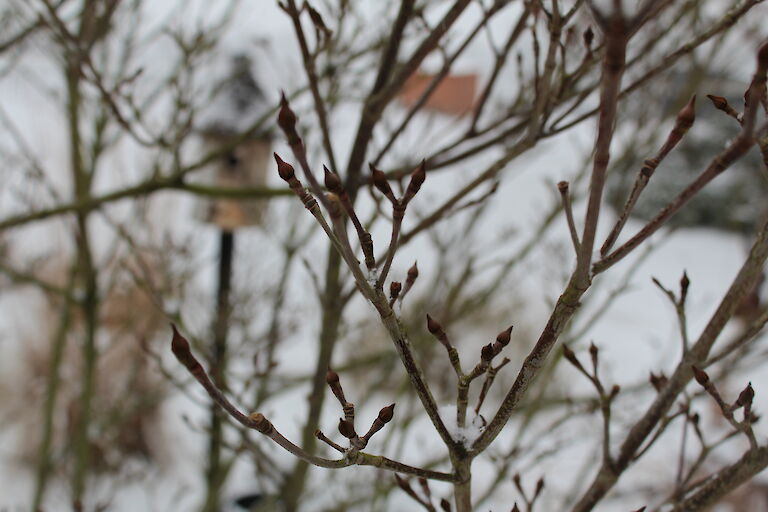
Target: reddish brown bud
[(641, 509), (539, 487), (286, 119), (687, 115), (394, 289), (515, 508), (379, 180), (332, 379), (413, 272), (746, 396), (445, 505), (570, 356), (433, 326), (562, 186), (347, 429), (332, 181), (719, 102), (695, 418), (593, 352), (487, 353), (386, 413), (589, 36), (180, 348), (504, 336), (700, 375), (614, 391), (284, 169), (417, 179)]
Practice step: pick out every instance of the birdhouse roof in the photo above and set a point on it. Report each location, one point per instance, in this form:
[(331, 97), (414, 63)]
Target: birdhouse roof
[(237, 102)]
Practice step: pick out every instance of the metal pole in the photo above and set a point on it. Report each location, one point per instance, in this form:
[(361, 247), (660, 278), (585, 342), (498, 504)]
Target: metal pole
[(215, 472)]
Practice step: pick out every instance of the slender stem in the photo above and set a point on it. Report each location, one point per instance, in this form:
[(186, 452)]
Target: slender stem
[(314, 83), (565, 198), (616, 37), (51, 394), (397, 221)]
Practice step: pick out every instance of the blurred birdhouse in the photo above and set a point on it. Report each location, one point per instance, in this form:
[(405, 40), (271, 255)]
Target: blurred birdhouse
[(236, 106)]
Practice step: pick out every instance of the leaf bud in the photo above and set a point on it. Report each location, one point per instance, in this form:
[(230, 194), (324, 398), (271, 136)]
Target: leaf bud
[(286, 118), (347, 429), (746, 396), (284, 169), (332, 181), (504, 336), (386, 413), (700, 375), (487, 352)]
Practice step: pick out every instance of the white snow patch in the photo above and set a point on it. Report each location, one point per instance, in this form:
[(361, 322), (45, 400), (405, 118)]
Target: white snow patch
[(467, 434)]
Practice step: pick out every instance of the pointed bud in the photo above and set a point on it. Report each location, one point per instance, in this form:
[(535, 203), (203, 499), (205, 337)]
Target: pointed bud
[(379, 180), (684, 284), (347, 429), (180, 348), (332, 181), (332, 379), (487, 353), (539, 487), (641, 509), (515, 508), (286, 119), (417, 179), (504, 336), (571, 356), (614, 391), (589, 36), (386, 413), (687, 115), (433, 326), (719, 102), (695, 418), (413, 273), (746, 396), (700, 375), (445, 505), (593, 351), (284, 169)]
